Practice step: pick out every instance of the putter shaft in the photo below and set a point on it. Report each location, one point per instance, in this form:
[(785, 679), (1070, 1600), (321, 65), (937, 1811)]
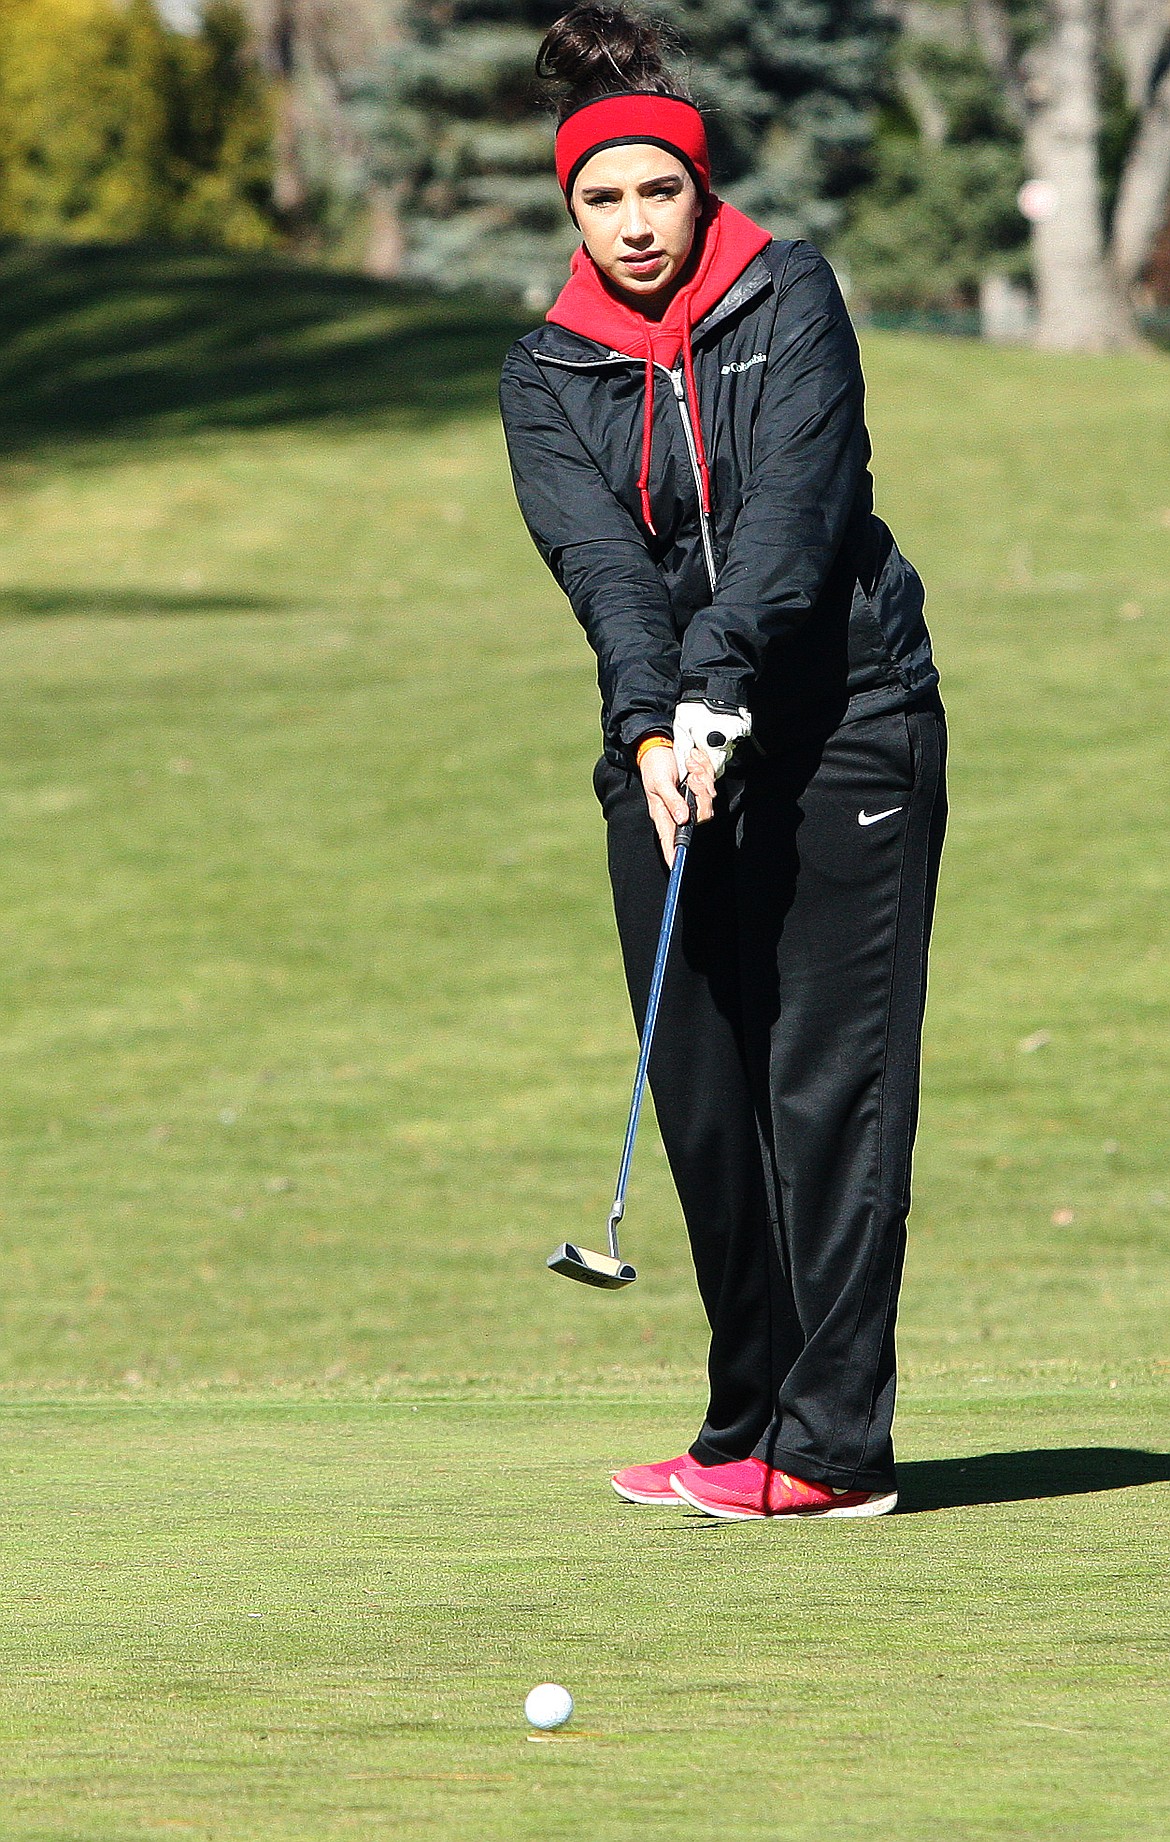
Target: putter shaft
[(682, 839), (610, 1270)]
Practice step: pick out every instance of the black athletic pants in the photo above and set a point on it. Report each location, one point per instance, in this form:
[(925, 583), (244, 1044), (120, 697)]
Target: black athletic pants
[(785, 1073)]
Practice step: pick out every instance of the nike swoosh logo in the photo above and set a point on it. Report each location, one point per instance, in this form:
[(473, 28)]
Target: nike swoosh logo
[(871, 818)]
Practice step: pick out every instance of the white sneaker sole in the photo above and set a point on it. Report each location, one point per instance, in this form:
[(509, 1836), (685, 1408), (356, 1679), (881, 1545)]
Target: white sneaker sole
[(647, 1502), (877, 1504)]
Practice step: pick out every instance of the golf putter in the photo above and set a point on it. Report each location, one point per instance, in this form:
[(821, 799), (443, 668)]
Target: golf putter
[(610, 1270)]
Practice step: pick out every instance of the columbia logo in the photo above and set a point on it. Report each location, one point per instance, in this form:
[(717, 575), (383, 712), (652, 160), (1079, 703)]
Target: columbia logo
[(757, 358)]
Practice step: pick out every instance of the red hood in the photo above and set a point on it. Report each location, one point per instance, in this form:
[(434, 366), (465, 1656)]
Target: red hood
[(586, 305)]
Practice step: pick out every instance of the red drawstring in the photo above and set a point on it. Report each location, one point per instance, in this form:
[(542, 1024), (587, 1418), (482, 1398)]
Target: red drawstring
[(693, 404), (692, 391), (647, 438)]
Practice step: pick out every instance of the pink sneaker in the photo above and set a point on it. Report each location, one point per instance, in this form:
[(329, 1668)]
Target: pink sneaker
[(751, 1491), (651, 1484)]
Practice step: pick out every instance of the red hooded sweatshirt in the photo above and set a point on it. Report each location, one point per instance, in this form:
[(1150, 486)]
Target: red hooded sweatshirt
[(588, 305)]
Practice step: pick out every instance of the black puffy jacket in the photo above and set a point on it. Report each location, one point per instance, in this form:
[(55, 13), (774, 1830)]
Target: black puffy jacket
[(792, 598)]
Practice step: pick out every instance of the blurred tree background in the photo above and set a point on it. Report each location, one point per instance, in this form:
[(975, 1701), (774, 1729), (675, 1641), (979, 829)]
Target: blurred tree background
[(462, 138), (938, 213), (116, 127), (408, 138)]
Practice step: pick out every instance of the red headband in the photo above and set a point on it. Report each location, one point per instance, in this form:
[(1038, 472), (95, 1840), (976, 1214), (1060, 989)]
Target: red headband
[(614, 121)]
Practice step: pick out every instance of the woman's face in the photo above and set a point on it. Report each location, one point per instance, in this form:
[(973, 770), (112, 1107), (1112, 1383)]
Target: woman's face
[(637, 208)]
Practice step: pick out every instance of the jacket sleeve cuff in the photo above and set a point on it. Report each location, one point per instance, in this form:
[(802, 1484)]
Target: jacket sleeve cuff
[(634, 729), (726, 690)]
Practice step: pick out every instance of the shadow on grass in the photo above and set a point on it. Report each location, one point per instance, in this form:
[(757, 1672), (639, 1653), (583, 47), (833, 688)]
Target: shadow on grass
[(1012, 1477), (1017, 1477), (100, 344), (45, 603)]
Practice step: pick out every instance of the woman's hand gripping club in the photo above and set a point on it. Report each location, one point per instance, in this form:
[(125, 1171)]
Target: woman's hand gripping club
[(704, 738), (665, 801)]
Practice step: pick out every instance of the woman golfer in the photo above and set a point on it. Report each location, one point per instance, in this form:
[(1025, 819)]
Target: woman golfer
[(689, 449)]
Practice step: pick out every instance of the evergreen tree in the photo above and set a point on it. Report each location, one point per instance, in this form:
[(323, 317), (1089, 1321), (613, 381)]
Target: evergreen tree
[(465, 140), (465, 146), (789, 89)]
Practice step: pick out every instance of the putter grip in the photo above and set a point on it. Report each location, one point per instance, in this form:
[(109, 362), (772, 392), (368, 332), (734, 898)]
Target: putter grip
[(685, 832)]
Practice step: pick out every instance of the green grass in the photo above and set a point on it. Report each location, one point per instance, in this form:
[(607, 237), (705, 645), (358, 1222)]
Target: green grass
[(313, 1042), (278, 1630), (112, 345)]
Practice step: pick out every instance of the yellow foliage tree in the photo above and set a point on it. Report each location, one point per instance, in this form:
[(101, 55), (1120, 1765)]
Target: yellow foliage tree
[(114, 127)]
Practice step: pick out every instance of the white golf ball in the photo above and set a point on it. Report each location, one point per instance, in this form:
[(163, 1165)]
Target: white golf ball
[(548, 1705)]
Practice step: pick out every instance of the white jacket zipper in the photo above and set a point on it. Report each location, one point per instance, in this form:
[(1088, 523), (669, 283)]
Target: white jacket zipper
[(680, 397)]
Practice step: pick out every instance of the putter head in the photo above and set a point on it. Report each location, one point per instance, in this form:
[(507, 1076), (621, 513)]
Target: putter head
[(591, 1269)]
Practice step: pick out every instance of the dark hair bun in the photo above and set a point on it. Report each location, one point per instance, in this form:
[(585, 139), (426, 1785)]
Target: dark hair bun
[(596, 49)]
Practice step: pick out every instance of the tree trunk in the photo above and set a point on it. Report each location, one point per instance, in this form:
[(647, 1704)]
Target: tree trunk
[(289, 193), (1158, 269), (278, 50), (1145, 185), (989, 24), (1080, 306), (1139, 29), (384, 241)]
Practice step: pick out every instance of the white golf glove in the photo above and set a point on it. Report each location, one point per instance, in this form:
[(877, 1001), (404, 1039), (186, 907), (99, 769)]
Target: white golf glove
[(714, 732)]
